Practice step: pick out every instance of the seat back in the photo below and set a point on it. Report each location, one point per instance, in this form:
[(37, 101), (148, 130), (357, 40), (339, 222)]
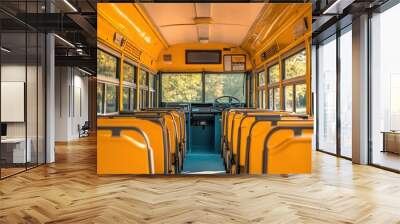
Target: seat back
[(131, 145), (241, 128), (259, 131), (175, 122), (287, 148)]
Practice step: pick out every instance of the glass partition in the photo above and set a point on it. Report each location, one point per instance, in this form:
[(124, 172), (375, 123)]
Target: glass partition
[(385, 89), (16, 150), (22, 93), (327, 96), (346, 93)]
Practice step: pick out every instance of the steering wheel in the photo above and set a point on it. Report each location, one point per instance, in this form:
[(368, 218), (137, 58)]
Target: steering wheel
[(226, 102)]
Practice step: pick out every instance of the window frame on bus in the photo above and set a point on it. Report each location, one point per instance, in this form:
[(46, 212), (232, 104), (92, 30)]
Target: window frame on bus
[(294, 82), (261, 89), (143, 87), (273, 88), (108, 81), (131, 86)]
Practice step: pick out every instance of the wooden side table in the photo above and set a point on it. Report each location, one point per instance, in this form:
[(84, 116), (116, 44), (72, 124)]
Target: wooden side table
[(391, 141)]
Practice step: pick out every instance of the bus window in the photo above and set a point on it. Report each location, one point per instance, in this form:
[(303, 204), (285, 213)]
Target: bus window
[(143, 79), (294, 80), (295, 66), (100, 98), (273, 87), (217, 85), (289, 98), (106, 64), (152, 90), (300, 98), (111, 99), (108, 77), (129, 89), (260, 89), (277, 104), (181, 87)]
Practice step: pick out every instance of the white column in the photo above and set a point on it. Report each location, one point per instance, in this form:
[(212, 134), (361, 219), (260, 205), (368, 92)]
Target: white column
[(314, 91), (360, 90), (50, 98)]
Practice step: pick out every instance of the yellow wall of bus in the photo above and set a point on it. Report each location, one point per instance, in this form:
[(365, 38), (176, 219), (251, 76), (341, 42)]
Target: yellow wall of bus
[(178, 54), (288, 44), (111, 21)]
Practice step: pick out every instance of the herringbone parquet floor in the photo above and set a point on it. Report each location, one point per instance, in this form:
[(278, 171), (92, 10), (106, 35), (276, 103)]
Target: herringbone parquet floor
[(70, 191)]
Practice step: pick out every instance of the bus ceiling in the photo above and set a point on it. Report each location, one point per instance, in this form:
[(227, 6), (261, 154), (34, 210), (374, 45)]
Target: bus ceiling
[(164, 36)]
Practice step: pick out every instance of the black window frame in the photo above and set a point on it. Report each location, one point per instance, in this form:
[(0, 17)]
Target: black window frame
[(203, 74)]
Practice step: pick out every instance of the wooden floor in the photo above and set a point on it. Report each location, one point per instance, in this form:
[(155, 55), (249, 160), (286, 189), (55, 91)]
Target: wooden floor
[(70, 191)]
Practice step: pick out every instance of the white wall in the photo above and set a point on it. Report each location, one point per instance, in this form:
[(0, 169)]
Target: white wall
[(33, 127), (14, 73), (71, 102)]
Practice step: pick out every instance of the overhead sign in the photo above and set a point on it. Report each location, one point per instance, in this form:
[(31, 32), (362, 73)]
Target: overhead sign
[(234, 63)]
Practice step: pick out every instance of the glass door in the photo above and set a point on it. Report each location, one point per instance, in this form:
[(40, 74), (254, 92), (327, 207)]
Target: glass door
[(345, 42), (326, 102)]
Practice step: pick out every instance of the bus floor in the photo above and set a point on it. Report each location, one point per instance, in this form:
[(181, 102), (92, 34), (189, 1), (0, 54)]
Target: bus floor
[(203, 160)]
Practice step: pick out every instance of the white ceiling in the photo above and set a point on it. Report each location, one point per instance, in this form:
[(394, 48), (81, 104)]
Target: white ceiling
[(224, 22)]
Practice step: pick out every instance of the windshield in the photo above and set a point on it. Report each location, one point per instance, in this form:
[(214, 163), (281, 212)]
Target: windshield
[(181, 87), (188, 87), (218, 85)]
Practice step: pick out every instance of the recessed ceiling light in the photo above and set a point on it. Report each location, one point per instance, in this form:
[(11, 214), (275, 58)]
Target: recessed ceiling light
[(203, 40), (64, 40), (5, 50), (86, 72), (70, 5)]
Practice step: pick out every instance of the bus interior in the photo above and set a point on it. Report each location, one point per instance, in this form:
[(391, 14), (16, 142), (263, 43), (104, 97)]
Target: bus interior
[(204, 88)]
